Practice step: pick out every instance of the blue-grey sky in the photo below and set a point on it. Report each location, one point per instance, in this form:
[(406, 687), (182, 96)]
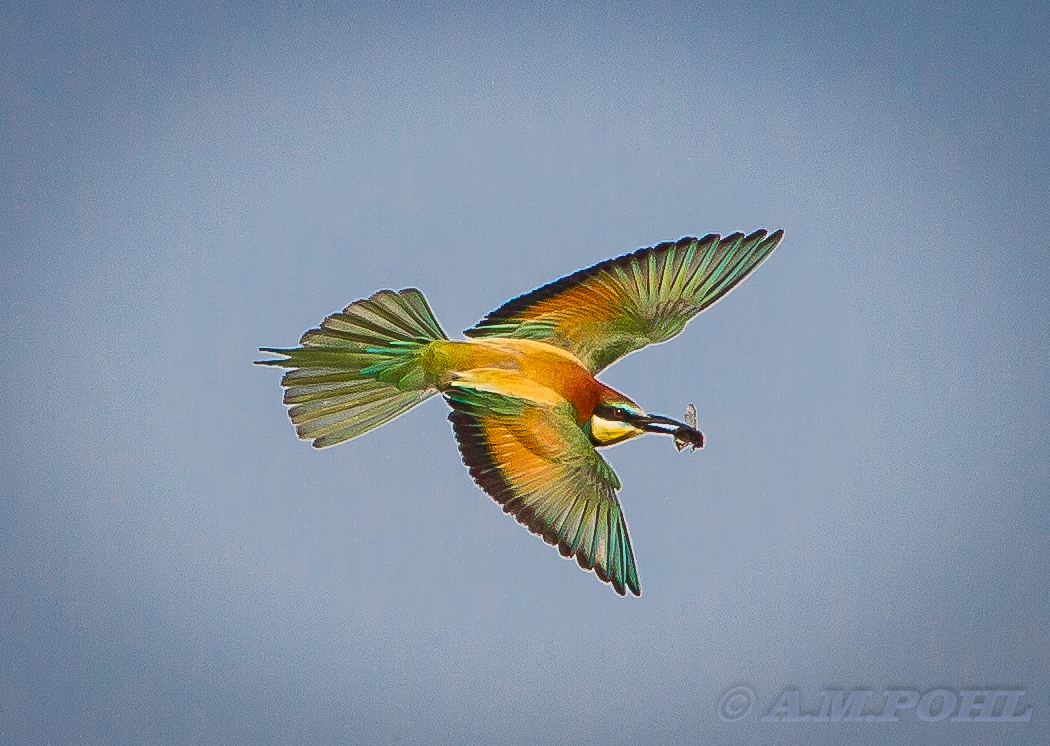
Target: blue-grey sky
[(182, 183)]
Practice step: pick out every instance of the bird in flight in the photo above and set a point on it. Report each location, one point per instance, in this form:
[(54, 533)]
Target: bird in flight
[(527, 409)]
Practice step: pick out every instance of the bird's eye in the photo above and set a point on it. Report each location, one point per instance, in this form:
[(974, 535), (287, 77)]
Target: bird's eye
[(615, 412)]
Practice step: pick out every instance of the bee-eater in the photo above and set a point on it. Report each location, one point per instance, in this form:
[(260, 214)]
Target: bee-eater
[(527, 409)]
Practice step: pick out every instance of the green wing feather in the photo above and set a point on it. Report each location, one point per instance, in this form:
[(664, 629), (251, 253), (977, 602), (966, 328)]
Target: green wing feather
[(620, 305), (537, 463)]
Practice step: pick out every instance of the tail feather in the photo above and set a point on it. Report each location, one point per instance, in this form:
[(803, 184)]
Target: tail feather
[(355, 416), (360, 369), (317, 404)]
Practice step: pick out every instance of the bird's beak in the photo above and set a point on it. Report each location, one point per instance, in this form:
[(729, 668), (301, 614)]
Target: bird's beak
[(683, 434)]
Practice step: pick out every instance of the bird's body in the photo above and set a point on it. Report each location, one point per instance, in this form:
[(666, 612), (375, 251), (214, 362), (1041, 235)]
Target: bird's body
[(522, 368), (527, 408)]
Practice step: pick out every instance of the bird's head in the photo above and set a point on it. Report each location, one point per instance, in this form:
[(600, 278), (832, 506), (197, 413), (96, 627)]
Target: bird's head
[(616, 418)]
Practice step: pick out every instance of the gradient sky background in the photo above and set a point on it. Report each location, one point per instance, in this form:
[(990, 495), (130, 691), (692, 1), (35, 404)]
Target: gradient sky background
[(182, 183)]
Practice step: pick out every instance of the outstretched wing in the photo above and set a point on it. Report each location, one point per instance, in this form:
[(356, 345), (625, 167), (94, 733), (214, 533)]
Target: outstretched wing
[(621, 305), (537, 463)]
